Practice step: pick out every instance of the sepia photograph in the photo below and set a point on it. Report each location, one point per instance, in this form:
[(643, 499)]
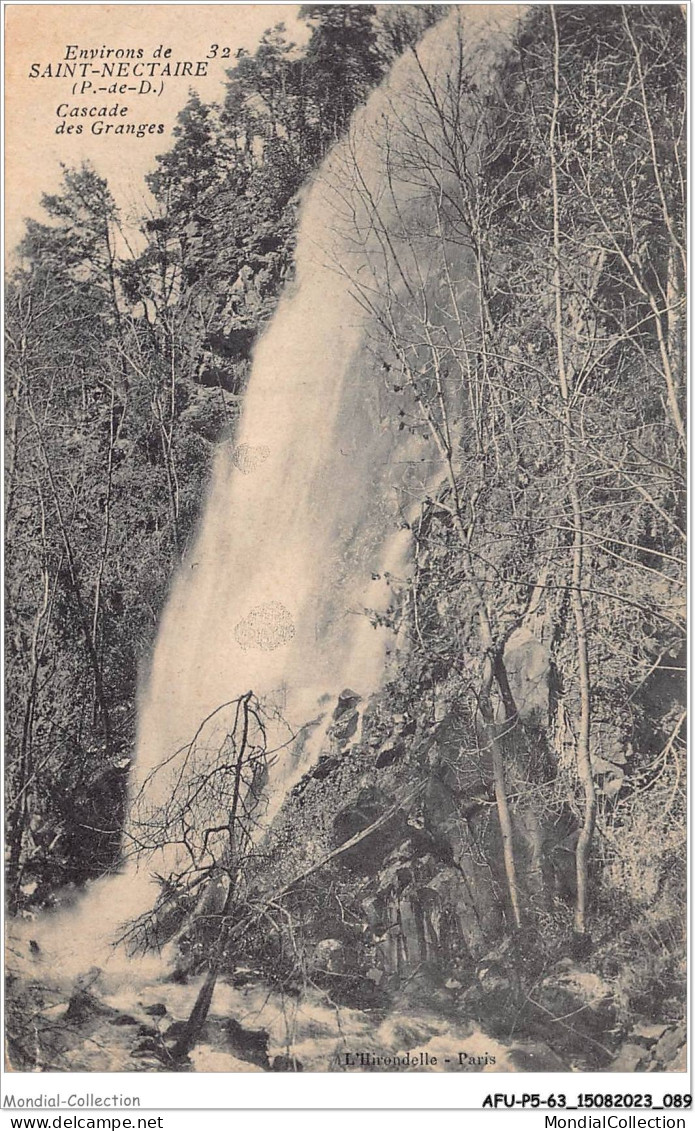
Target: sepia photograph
[(345, 539)]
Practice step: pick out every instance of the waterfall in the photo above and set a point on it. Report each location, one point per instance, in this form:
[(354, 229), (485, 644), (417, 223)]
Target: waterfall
[(309, 505), (308, 510), (302, 510)]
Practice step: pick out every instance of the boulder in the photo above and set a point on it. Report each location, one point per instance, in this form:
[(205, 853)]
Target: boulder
[(156, 1010), (324, 767), (247, 1044), (346, 719), (647, 1033), (679, 1063), (356, 817), (284, 1063), (150, 1046), (630, 1058), (527, 662), (83, 1006), (389, 753), (670, 1044), (347, 701), (345, 728)]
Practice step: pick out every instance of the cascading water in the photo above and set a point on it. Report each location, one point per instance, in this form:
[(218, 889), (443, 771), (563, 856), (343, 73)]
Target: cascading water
[(308, 507)]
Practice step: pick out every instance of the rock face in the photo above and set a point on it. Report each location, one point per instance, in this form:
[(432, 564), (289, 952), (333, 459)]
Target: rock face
[(412, 912), (418, 912), (653, 1048), (346, 719), (404, 924), (527, 662), (420, 871)]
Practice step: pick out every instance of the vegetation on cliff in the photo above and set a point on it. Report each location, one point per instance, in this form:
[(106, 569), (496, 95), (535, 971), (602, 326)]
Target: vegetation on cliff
[(521, 776)]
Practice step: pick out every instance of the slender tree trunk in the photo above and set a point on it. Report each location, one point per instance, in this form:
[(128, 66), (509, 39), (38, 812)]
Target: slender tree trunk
[(204, 999), (493, 667), (501, 800), (584, 768), (438, 425), (199, 1013)]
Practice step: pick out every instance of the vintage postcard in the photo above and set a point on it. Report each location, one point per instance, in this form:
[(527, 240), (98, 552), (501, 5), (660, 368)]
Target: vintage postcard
[(345, 540)]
